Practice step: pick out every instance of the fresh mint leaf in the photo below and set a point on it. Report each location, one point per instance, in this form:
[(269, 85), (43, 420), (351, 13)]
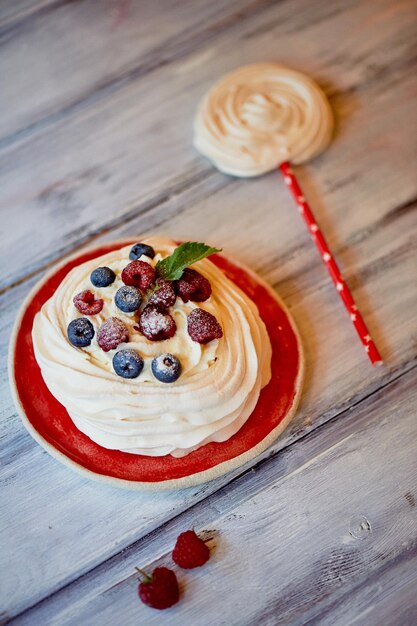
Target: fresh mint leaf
[(172, 267)]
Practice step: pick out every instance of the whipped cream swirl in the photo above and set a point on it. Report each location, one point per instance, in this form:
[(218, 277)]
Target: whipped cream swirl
[(212, 399), (259, 116)]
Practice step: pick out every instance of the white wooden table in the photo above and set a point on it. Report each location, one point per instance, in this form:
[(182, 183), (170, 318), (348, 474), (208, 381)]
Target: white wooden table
[(95, 143)]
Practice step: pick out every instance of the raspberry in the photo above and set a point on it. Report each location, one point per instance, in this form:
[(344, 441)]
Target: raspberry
[(164, 296), (138, 274), (203, 326), (193, 286), (155, 324), (190, 551), (85, 303), (111, 333), (160, 590)]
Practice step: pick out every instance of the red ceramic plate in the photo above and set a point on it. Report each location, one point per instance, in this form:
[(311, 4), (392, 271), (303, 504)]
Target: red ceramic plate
[(49, 423)]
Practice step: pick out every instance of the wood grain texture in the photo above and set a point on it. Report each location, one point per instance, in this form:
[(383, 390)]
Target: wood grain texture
[(319, 527), (100, 155), (119, 154), (16, 11), (97, 48), (328, 390)]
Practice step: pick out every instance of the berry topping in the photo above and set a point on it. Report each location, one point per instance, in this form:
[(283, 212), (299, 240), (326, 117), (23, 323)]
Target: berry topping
[(166, 368), (193, 286), (138, 274), (164, 296), (141, 248), (85, 303), (102, 277), (155, 324), (128, 299), (80, 332), (190, 551), (160, 590), (203, 326), (127, 363), (112, 333)]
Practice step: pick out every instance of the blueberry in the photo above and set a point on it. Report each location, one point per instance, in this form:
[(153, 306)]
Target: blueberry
[(102, 277), (127, 363), (166, 368), (141, 248), (128, 299), (80, 332)]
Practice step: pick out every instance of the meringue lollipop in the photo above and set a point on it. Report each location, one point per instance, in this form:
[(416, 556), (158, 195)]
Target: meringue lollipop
[(263, 117)]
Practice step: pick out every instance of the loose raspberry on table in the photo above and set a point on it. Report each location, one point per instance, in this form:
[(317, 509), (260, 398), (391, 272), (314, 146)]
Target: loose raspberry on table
[(164, 296), (138, 274), (203, 326), (190, 551), (159, 590), (111, 333), (193, 286), (86, 304), (155, 324)]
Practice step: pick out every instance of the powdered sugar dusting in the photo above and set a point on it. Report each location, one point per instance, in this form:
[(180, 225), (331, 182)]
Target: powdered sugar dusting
[(203, 327), (112, 333), (166, 368), (86, 304), (156, 325), (165, 363), (164, 296)]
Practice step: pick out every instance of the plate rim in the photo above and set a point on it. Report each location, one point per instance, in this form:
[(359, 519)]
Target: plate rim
[(182, 482)]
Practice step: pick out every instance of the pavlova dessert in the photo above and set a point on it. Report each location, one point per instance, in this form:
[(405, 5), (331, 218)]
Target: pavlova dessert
[(152, 350)]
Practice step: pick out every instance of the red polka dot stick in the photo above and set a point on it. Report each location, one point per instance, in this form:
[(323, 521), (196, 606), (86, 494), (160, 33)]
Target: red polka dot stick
[(341, 286)]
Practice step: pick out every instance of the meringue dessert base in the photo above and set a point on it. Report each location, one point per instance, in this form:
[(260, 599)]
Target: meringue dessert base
[(216, 393), (259, 116)]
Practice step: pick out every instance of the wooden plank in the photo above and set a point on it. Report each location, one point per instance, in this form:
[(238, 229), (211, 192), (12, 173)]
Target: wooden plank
[(387, 597), (39, 493), (12, 11), (121, 41), (135, 155), (278, 559)]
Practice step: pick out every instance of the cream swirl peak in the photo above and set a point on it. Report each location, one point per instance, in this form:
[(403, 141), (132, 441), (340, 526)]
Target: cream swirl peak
[(259, 116), (211, 400)]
